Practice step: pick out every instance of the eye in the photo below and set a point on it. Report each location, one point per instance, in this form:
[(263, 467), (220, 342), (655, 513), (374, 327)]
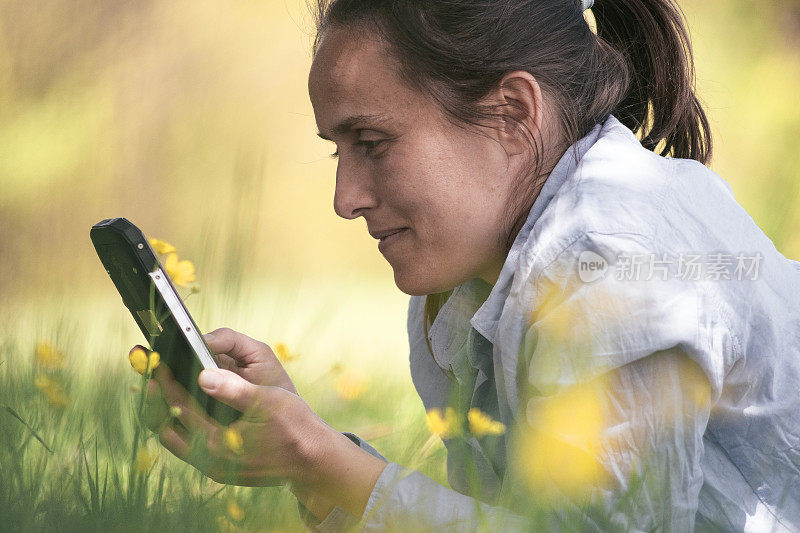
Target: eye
[(369, 146)]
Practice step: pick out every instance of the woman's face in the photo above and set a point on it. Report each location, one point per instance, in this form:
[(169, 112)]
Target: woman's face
[(403, 165)]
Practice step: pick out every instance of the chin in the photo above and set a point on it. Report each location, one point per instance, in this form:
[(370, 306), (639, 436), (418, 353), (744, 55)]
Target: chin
[(416, 283), (409, 285)]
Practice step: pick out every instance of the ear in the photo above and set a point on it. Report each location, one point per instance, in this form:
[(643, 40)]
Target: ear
[(519, 100)]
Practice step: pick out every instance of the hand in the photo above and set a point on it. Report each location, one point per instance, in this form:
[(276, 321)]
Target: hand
[(278, 439), (259, 379), (252, 360), (249, 358), (268, 445)]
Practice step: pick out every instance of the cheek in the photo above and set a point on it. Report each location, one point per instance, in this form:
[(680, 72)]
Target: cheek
[(441, 254), (453, 197), (448, 207)]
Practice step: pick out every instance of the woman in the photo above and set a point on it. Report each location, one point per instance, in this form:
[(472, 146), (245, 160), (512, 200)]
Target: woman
[(553, 260)]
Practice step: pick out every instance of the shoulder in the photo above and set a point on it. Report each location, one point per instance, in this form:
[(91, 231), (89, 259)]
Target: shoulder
[(592, 310), (620, 187)]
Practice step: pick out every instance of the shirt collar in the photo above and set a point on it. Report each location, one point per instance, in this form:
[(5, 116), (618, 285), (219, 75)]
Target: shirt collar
[(487, 316)]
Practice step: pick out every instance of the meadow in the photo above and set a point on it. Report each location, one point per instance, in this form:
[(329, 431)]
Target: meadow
[(191, 118), (75, 457)]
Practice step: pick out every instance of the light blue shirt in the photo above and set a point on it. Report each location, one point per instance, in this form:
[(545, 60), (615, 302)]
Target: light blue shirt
[(629, 267)]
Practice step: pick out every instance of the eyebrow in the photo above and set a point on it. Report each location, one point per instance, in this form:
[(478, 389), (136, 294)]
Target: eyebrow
[(351, 122)]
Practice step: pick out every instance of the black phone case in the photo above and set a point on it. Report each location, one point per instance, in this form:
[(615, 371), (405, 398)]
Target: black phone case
[(128, 258)]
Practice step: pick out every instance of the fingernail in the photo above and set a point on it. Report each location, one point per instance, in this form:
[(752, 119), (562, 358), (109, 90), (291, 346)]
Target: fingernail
[(209, 379)]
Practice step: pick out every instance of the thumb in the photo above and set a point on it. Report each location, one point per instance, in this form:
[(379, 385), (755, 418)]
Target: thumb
[(230, 388), (235, 345)]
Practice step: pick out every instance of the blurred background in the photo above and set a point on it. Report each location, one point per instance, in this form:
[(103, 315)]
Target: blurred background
[(192, 119)]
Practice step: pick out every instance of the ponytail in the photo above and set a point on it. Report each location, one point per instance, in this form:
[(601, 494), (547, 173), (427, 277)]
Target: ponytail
[(660, 99)]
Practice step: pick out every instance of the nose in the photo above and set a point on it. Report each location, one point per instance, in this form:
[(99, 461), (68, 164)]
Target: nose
[(355, 191)]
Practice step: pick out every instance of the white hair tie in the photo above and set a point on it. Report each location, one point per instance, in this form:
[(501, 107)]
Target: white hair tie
[(586, 4)]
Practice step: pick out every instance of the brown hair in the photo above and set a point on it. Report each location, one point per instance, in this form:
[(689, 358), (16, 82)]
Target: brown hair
[(638, 67)]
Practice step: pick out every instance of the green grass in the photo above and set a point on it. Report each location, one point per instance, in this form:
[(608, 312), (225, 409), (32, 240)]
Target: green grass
[(73, 468)]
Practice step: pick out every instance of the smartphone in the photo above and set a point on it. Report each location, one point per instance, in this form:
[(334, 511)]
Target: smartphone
[(150, 296)]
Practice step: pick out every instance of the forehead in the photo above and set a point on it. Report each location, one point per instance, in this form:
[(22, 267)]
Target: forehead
[(354, 74)]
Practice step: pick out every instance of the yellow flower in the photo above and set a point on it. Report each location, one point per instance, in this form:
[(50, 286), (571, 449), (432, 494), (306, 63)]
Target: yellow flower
[(436, 423), (561, 444), (175, 411), (234, 441), (145, 459), (283, 354), (350, 386), (142, 363), (235, 512), (48, 357), (225, 525), (181, 272), (446, 426), (482, 424), (162, 247), (52, 390)]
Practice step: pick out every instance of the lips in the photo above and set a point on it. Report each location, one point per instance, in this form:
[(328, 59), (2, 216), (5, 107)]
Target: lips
[(385, 233), (390, 238), (395, 232)]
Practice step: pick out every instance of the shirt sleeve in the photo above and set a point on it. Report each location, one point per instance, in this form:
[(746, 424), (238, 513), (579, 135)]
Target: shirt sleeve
[(629, 442), (654, 413), (604, 302), (405, 496), (618, 369)]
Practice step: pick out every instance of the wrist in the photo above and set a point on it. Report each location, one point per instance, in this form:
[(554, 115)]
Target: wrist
[(335, 472)]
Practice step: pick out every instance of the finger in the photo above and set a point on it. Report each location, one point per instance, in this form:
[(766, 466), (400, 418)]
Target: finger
[(196, 450), (238, 346), (226, 362), (192, 448), (223, 448), (194, 419), (155, 413), (231, 389), (154, 392), (162, 373), (176, 443), (188, 411)]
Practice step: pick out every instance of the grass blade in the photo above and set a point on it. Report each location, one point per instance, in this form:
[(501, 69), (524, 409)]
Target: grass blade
[(13, 413)]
